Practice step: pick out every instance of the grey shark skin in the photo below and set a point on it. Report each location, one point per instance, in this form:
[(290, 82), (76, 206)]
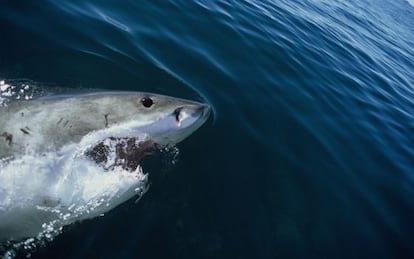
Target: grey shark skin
[(47, 124)]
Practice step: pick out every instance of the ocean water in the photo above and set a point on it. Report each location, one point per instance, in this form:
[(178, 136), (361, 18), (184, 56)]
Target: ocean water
[(309, 152)]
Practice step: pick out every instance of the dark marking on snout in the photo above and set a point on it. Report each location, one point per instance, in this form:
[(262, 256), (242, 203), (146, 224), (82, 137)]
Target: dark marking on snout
[(25, 131), (65, 124), (22, 114), (8, 137), (61, 119), (106, 120)]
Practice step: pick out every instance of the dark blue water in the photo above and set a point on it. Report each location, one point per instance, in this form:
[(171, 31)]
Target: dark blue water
[(310, 153)]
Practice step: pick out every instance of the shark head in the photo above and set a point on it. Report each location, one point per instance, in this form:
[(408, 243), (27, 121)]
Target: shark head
[(162, 119), (165, 120), (48, 124), (130, 125)]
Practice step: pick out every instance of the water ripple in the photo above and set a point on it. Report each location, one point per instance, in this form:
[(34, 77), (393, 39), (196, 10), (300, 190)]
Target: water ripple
[(318, 93)]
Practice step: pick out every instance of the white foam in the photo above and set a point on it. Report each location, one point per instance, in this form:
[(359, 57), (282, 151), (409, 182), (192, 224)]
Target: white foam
[(411, 2), (16, 90), (41, 193)]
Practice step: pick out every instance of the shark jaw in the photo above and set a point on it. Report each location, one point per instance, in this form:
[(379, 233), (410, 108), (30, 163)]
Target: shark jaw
[(119, 145)]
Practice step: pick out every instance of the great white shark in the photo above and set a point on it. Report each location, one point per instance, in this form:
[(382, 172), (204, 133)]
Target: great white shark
[(46, 128)]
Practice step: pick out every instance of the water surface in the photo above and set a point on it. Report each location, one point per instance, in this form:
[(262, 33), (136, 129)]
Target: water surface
[(310, 151)]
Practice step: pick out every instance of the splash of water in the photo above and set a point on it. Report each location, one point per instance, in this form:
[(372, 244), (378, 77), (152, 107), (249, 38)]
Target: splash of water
[(18, 90), (41, 193)]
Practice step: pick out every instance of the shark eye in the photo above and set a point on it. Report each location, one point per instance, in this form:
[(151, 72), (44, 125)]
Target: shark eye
[(147, 102)]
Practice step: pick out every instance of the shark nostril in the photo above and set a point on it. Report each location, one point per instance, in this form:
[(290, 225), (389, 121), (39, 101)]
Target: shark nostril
[(177, 113)]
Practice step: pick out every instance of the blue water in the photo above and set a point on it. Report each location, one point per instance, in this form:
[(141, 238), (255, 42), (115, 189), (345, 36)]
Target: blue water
[(310, 153)]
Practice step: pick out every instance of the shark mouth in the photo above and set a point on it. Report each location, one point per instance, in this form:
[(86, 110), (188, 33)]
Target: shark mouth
[(125, 153)]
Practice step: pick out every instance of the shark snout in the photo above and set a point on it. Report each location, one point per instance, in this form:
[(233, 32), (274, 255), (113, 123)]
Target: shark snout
[(204, 109), (189, 114)]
